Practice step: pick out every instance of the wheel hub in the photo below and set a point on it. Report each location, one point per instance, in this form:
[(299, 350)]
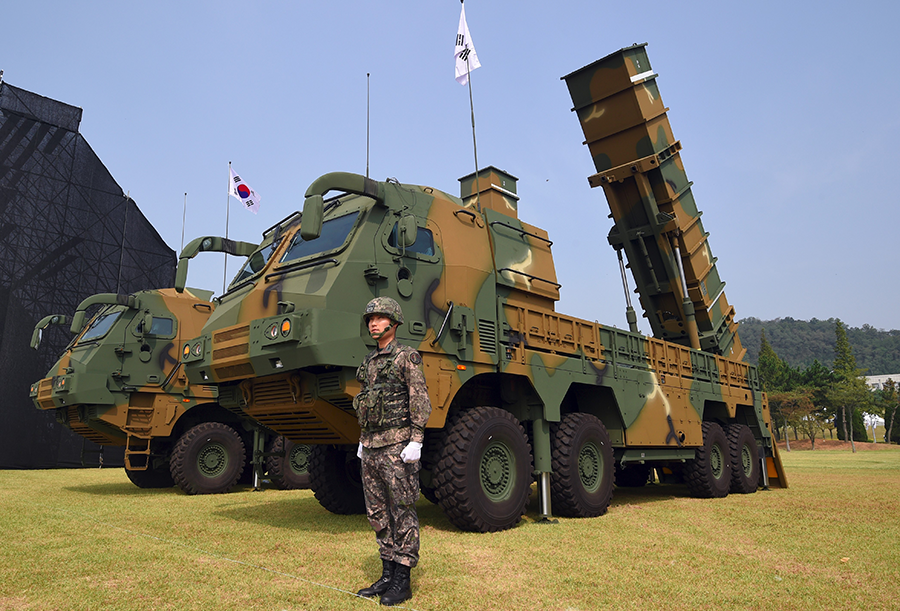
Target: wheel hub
[(496, 471), (212, 460), (590, 466), (716, 462), (299, 459), (747, 461)]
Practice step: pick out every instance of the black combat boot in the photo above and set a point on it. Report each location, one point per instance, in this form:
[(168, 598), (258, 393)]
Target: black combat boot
[(381, 586), (399, 589)]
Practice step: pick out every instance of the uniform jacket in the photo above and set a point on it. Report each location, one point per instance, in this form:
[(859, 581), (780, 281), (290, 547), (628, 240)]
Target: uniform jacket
[(392, 405)]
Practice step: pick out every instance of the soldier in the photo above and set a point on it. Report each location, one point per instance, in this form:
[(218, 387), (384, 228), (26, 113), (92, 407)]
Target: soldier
[(392, 407)]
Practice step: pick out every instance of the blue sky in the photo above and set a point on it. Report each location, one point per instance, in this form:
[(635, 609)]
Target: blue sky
[(787, 112)]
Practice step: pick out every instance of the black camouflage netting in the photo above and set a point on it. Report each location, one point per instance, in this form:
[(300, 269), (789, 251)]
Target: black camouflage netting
[(67, 231)]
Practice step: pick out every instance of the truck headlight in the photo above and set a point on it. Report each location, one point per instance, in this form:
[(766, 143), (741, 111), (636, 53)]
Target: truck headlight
[(272, 331)]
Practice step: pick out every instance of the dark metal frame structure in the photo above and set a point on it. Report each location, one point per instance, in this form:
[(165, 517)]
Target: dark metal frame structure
[(67, 231)]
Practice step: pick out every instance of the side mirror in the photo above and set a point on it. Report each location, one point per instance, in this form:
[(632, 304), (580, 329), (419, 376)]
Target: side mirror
[(37, 334), (311, 221), (77, 322), (36, 338), (407, 229), (208, 244), (102, 298), (146, 323), (181, 275)]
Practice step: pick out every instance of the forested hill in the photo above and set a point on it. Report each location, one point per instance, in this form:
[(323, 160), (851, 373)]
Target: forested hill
[(800, 342)]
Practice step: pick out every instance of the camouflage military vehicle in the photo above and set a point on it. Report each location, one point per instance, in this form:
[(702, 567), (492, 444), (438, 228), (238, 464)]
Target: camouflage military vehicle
[(518, 390), (120, 383)]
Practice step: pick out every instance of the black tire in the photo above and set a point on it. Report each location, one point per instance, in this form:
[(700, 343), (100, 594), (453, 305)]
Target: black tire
[(632, 476), (708, 475), (151, 478), (483, 479), (745, 469), (431, 453), (583, 468), (435, 440), (208, 459), (336, 480), (291, 471)]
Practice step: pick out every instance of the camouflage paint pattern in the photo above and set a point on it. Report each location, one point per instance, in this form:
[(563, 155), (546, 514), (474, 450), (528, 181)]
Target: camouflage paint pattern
[(126, 387), (392, 405), (392, 488), (639, 166)]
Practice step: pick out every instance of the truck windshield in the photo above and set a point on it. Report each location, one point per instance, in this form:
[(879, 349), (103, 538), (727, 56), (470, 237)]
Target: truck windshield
[(100, 325), (334, 234), (255, 263)]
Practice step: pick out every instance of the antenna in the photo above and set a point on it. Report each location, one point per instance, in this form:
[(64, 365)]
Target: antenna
[(367, 122), (183, 218)]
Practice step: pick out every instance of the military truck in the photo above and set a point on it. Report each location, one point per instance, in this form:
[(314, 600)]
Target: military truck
[(120, 383), (519, 391)]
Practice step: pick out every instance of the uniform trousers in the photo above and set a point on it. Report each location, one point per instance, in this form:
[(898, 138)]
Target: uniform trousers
[(391, 489)]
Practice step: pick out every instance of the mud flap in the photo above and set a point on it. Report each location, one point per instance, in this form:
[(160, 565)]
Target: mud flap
[(775, 470)]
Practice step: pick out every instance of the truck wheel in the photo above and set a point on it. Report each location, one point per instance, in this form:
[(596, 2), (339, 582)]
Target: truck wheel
[(435, 440), (632, 476), (208, 459), (151, 478), (744, 458), (708, 475), (291, 471), (483, 478), (431, 453), (582, 459), (334, 476)]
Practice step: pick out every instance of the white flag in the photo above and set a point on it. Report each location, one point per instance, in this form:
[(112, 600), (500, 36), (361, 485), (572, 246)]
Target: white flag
[(244, 193), (466, 58)]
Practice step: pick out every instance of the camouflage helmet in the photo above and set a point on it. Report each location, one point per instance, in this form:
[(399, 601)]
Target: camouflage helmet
[(386, 307)]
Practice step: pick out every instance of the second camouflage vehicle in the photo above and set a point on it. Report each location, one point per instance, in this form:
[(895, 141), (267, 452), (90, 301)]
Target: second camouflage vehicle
[(120, 383)]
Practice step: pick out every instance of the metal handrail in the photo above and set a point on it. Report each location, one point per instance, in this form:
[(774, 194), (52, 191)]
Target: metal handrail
[(515, 271), (523, 232)]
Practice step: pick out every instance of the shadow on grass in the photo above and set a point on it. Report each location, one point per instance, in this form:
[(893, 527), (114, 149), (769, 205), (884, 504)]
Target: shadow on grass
[(300, 511), (125, 488), (650, 493)]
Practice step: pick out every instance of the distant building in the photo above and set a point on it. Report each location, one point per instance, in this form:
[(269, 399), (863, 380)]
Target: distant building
[(877, 382), (67, 231)]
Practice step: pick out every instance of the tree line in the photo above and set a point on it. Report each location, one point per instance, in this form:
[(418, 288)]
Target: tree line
[(801, 342), (816, 399)]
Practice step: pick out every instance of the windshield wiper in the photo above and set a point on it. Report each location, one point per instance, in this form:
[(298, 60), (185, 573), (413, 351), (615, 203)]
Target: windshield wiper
[(298, 266)]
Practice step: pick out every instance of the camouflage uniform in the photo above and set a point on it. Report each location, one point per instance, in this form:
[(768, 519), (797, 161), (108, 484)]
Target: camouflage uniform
[(392, 407)]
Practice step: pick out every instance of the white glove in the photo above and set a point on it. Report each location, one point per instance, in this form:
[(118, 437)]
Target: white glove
[(359, 451), (412, 452)]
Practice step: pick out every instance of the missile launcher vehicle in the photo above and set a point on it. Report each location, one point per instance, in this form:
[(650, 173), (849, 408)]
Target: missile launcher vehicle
[(520, 392)]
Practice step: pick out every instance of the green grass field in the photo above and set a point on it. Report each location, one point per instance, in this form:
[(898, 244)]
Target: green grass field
[(89, 539)]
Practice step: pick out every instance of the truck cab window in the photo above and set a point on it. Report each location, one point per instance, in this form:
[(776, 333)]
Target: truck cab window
[(255, 263), (424, 242), (100, 326), (334, 234), (162, 327)]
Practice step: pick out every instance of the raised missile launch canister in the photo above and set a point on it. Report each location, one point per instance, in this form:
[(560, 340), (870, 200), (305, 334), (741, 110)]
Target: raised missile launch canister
[(657, 223)]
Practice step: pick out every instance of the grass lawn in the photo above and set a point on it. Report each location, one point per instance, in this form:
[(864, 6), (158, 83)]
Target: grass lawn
[(89, 539)]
